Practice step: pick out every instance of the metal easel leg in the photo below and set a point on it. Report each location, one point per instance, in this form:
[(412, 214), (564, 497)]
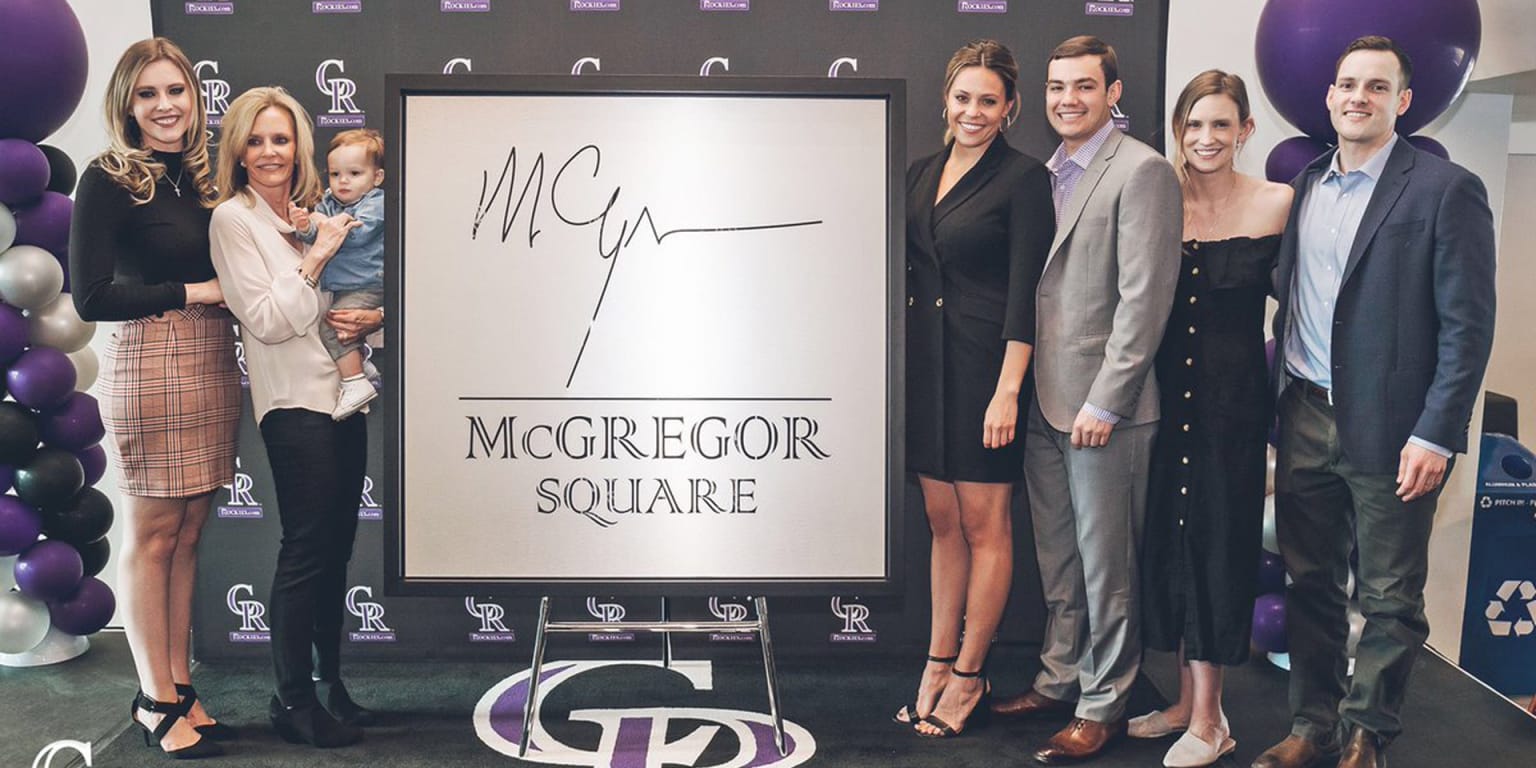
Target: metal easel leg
[(530, 707), (772, 674), (666, 637)]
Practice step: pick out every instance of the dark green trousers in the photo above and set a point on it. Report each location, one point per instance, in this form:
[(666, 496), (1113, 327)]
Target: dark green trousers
[(1324, 508)]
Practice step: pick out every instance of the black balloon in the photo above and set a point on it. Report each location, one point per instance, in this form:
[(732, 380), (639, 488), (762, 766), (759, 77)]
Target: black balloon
[(18, 434), (50, 479), (84, 518), (61, 170), (95, 555)]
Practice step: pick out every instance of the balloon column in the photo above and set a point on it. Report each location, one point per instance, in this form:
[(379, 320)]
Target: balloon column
[(53, 525), (1299, 41)]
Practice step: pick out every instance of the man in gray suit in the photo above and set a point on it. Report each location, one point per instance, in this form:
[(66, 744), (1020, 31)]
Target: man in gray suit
[(1102, 302)]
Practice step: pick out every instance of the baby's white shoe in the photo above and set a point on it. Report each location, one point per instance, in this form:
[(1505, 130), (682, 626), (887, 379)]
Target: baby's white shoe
[(356, 393)]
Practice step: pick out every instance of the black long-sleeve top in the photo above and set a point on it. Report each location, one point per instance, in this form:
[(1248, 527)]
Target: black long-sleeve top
[(129, 261)]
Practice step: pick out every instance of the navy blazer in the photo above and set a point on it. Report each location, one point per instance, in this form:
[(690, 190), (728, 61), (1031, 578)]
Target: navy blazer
[(1413, 324)]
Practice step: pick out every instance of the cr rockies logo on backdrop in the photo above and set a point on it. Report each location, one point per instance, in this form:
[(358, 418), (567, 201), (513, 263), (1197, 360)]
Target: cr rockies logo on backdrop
[(242, 505), (492, 628), (367, 508), (608, 613), (372, 628), (728, 612), (636, 736), (343, 111), (242, 602), (855, 618), (215, 91)]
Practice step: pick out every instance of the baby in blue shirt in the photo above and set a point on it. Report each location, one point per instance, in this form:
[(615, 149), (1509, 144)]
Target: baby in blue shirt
[(355, 275)]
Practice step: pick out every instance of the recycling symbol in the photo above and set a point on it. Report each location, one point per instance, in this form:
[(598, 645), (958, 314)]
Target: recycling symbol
[(1504, 613)]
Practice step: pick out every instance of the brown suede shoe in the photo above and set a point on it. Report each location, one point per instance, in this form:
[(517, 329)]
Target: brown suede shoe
[(1031, 704), (1362, 751), (1295, 752), (1080, 740)]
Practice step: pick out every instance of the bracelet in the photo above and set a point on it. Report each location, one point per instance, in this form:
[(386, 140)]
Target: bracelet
[(309, 281)]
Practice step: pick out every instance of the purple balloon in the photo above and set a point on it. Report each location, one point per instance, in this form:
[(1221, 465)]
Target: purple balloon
[(87, 610), (20, 525), (45, 224), (74, 425), (1269, 623), (1271, 572), (1431, 146), (1269, 354), (1290, 156), (41, 378), (7, 477), (50, 570), (44, 60), (93, 460), (1298, 42), (23, 167), (13, 333)]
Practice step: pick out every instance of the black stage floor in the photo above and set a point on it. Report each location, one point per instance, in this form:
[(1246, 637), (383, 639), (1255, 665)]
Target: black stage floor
[(629, 715)]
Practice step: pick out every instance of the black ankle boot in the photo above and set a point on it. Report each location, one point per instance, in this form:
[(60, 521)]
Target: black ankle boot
[(340, 704), (311, 724)]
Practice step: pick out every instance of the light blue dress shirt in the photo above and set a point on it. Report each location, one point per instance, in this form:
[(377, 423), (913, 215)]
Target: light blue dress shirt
[(1330, 218)]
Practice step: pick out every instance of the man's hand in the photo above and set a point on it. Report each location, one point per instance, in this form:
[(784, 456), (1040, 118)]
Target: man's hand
[(1089, 431), (1419, 471)]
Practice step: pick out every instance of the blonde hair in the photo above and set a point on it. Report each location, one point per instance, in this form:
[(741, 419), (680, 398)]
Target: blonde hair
[(370, 140), (126, 161), (1212, 82), (240, 120), (990, 55)]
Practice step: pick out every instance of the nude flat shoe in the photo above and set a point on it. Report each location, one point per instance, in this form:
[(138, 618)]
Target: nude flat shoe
[(1191, 751), (1152, 725)]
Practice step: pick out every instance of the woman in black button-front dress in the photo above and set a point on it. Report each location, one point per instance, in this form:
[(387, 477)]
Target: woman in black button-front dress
[(979, 224), (1206, 507)]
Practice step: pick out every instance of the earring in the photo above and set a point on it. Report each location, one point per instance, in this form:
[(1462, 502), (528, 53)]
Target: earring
[(944, 113)]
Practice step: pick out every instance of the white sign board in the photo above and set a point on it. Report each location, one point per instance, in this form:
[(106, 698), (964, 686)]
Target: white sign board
[(644, 336)]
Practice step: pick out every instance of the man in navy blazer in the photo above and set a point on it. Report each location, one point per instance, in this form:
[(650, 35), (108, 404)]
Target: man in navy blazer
[(1386, 289)]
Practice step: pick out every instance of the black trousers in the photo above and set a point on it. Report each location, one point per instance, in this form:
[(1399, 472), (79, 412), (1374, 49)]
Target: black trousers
[(317, 467), (1325, 505)]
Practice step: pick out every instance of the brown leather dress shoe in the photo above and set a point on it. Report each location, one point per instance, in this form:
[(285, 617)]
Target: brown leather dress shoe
[(1080, 740), (1362, 751), (1295, 752), (1030, 704)]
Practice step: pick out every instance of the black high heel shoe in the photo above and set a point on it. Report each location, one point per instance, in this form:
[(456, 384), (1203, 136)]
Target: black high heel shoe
[(979, 716), (215, 730), (170, 712), (311, 724), (340, 704), (907, 715)]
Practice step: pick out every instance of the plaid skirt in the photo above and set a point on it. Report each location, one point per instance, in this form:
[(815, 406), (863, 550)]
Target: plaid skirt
[(171, 402)]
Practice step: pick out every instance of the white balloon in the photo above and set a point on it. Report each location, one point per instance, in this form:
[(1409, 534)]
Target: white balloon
[(29, 277), (87, 367), (58, 325), (23, 622), (1271, 541), (7, 228), (7, 573)]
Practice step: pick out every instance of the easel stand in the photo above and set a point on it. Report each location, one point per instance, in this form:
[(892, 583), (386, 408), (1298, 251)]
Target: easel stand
[(666, 627)]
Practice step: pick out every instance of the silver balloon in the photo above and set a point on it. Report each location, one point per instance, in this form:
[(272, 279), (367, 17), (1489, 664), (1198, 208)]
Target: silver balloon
[(7, 228), (29, 277), (87, 366), (23, 622), (1271, 541), (1269, 471), (7, 573), (58, 325)]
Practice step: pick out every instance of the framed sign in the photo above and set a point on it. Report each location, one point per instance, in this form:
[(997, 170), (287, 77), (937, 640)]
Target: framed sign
[(647, 335)]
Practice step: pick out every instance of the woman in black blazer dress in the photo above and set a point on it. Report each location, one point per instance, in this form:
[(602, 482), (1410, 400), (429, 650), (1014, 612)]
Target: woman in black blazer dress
[(979, 224)]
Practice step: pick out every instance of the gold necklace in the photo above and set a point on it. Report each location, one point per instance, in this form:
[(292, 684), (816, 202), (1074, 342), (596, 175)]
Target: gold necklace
[(175, 185), (1202, 234)]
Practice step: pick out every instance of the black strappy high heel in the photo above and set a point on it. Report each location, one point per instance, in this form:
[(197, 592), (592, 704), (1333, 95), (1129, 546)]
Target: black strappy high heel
[(979, 716), (907, 715), (170, 712), (215, 730)]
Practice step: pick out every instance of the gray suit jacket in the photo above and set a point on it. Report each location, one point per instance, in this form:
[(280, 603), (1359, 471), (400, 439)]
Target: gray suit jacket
[(1108, 286)]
